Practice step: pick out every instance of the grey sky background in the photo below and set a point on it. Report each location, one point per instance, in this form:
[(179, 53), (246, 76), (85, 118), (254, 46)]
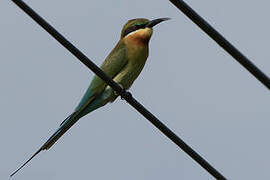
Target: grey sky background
[(189, 82)]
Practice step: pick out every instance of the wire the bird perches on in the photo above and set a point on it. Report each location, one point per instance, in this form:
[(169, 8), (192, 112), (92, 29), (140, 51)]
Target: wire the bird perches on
[(124, 94)]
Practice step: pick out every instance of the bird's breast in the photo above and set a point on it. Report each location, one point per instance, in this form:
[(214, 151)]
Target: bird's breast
[(137, 56)]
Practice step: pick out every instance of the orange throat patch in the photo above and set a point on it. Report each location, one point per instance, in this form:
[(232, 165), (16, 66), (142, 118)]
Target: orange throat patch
[(140, 37)]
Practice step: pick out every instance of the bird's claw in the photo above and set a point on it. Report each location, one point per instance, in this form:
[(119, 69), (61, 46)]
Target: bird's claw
[(124, 94), (116, 93)]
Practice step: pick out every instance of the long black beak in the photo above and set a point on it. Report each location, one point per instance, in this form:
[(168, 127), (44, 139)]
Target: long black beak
[(154, 22)]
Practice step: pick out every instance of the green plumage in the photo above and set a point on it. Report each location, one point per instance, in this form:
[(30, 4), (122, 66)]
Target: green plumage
[(123, 65)]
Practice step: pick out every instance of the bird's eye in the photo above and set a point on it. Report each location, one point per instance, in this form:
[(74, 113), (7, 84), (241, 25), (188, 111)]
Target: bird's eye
[(139, 26)]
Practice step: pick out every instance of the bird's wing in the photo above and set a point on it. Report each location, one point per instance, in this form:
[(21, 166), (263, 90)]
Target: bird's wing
[(112, 65)]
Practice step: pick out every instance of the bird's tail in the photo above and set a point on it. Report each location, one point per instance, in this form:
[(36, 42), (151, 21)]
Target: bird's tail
[(64, 126)]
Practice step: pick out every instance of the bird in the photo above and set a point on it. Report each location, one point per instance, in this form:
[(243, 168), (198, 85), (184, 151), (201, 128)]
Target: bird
[(124, 64)]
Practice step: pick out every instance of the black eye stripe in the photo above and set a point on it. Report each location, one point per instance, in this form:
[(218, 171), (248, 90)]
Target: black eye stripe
[(128, 30), (133, 28), (140, 26)]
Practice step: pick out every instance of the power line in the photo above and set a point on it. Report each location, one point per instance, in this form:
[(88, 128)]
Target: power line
[(225, 44), (124, 94)]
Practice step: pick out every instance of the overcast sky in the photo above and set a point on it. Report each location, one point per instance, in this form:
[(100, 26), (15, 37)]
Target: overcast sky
[(189, 82)]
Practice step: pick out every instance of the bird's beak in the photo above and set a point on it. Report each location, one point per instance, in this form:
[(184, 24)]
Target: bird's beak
[(154, 22)]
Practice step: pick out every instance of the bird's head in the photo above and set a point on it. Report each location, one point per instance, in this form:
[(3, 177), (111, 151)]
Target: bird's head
[(140, 30)]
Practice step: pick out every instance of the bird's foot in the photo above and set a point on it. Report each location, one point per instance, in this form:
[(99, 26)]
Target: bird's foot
[(116, 93), (124, 94)]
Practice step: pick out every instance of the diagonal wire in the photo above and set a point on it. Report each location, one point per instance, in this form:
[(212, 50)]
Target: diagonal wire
[(124, 94), (225, 44)]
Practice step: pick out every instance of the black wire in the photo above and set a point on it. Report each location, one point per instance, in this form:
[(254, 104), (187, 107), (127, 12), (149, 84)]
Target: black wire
[(226, 45), (124, 94)]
